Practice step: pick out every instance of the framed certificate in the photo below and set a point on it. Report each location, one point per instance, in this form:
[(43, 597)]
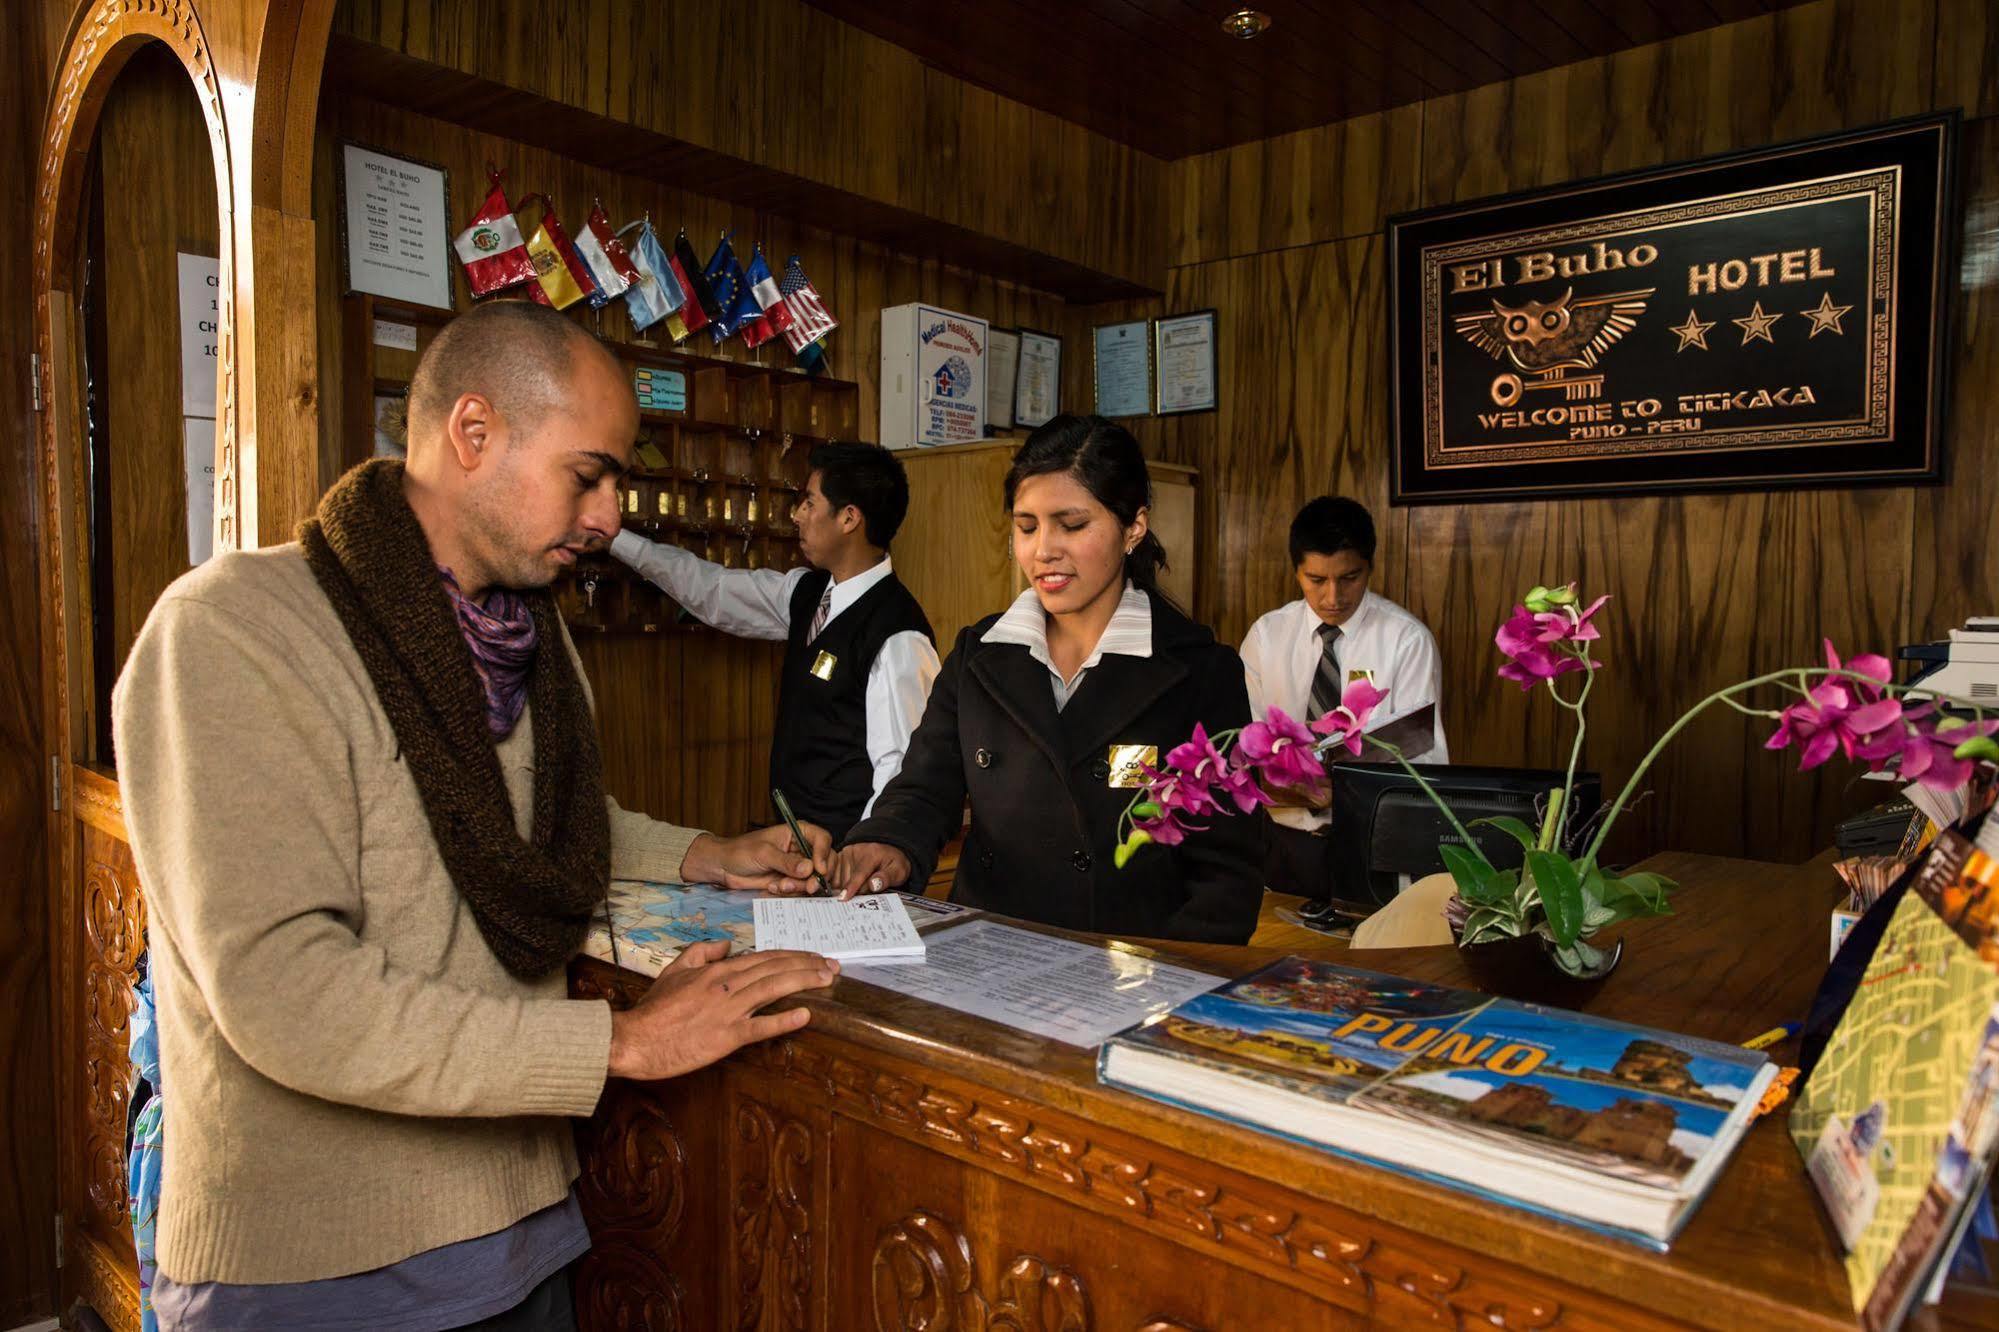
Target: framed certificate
[(1037, 394), (1183, 352), (1123, 369), (1002, 374), (395, 228)]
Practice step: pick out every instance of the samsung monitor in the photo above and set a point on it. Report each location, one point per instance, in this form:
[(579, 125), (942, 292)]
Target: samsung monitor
[(1385, 832)]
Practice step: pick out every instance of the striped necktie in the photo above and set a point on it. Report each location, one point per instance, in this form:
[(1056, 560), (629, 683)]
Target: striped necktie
[(819, 616), (1326, 683)]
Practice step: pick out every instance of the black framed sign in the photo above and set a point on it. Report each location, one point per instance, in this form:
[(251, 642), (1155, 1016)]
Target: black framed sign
[(1763, 319)]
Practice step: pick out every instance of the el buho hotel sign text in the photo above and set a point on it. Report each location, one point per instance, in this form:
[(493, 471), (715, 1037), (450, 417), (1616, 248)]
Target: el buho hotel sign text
[(1763, 319)]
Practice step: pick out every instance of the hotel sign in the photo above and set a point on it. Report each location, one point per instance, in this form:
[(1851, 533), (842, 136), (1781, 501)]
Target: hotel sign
[(1765, 319)]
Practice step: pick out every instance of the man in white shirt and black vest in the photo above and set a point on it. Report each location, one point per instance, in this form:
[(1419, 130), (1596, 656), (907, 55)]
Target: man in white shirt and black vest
[(859, 654), (1301, 656)]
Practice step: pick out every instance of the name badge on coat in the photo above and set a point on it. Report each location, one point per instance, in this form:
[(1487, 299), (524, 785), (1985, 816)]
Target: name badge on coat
[(823, 664), (1128, 764)]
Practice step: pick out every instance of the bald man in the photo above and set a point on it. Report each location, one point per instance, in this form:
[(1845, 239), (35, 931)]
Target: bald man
[(365, 797)]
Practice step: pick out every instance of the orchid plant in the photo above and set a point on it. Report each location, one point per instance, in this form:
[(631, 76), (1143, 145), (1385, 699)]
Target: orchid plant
[(1562, 892)]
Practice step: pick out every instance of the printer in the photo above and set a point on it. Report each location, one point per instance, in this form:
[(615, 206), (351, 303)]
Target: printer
[(1965, 664)]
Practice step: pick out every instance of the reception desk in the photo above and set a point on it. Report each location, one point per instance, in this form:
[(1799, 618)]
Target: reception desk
[(897, 1165)]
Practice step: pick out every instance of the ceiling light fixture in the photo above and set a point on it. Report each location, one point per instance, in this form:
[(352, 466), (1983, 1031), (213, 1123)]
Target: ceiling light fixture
[(1246, 23)]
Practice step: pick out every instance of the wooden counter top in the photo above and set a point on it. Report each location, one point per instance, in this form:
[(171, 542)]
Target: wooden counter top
[(1743, 952)]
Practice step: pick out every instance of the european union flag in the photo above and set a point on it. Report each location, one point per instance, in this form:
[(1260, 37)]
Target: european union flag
[(732, 292)]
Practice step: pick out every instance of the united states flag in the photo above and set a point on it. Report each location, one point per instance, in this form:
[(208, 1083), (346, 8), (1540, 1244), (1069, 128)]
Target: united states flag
[(811, 320)]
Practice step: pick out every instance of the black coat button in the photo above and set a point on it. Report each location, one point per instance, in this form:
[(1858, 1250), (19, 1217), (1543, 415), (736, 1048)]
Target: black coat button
[(1081, 862), (983, 757), (1100, 770)]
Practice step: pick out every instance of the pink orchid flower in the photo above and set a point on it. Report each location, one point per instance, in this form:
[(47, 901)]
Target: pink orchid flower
[(1280, 748), (1845, 715), (1345, 723)]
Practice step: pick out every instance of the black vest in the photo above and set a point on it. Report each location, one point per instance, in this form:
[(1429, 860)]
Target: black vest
[(819, 754)]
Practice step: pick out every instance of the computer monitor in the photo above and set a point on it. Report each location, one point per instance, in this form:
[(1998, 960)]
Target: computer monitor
[(1384, 828)]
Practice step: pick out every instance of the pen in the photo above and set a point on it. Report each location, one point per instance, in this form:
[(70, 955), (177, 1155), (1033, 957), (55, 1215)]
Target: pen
[(1771, 1037), (798, 836)]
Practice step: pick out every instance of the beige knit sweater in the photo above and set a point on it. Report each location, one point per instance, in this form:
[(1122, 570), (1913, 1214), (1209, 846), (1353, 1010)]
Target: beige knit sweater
[(350, 1075)]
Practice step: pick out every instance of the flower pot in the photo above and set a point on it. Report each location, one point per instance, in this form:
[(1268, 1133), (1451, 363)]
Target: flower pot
[(1524, 968)]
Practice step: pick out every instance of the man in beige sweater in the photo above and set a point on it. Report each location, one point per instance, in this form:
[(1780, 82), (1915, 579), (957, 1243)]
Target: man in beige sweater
[(366, 803)]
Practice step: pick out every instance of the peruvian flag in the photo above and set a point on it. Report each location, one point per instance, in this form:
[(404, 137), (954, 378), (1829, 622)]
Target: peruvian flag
[(492, 250), (604, 255)]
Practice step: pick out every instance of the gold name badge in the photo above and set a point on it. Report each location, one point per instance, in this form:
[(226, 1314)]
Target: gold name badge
[(823, 664), (1129, 762), (1354, 677)]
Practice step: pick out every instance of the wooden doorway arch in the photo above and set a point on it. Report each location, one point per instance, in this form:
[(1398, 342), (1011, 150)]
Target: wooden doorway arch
[(254, 66)]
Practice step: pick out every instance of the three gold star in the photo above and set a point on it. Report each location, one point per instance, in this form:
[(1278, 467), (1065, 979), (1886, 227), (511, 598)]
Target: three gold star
[(1826, 316), (1756, 324), (1693, 333)]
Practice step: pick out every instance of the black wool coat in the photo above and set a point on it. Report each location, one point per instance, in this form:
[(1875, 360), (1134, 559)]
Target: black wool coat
[(1044, 815)]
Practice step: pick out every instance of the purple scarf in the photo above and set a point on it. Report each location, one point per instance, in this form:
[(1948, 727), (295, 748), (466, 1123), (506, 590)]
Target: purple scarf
[(501, 635)]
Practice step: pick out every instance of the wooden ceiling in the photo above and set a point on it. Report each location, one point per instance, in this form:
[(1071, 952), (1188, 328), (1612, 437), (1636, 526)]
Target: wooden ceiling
[(1161, 75)]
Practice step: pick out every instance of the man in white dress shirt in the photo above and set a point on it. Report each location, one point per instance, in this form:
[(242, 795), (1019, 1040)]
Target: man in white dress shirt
[(859, 656), (1301, 656)]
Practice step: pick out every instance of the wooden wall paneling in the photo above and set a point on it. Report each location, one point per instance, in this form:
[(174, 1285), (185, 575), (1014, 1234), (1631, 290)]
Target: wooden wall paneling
[(157, 186), (27, 1107), (725, 79), (1956, 571), (1329, 183), (1967, 56)]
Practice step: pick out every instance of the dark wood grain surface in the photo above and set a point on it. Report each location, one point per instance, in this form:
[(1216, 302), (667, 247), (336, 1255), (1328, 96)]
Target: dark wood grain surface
[(27, 1109)]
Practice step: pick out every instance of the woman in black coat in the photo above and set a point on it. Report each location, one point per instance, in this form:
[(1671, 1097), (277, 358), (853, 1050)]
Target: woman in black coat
[(1042, 713)]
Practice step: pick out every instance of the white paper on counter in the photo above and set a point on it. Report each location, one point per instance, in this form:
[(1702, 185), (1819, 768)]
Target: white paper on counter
[(1076, 993)]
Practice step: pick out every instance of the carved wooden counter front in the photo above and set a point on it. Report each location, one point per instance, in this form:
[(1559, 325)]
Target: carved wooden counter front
[(899, 1166)]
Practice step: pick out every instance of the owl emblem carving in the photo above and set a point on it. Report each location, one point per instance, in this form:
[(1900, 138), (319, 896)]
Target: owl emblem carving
[(1562, 334)]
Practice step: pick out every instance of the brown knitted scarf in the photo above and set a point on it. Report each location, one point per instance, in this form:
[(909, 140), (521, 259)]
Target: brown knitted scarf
[(533, 900)]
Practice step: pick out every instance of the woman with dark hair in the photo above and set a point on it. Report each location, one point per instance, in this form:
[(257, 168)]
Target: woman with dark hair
[(1044, 715)]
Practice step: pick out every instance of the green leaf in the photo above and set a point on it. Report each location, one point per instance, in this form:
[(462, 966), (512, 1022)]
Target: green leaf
[(1579, 959), (1561, 892), (1513, 828), (1476, 880)]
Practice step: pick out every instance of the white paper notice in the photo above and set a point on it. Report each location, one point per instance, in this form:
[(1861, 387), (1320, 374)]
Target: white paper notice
[(877, 927), (1002, 369), (397, 228), (1077, 993), (200, 332), (200, 455), (399, 337)]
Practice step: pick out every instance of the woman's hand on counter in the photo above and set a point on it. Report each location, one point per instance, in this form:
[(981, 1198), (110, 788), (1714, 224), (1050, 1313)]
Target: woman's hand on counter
[(867, 867), (704, 1007)]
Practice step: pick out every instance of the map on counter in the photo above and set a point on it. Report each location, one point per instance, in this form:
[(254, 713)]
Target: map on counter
[(654, 921), (1898, 1112)]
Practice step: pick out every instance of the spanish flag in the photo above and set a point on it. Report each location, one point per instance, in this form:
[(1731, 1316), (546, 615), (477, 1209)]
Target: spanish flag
[(561, 280)]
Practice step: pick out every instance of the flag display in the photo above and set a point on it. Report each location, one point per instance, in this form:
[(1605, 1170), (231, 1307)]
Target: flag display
[(612, 272), (560, 278), (491, 248), (694, 280), (656, 292), (810, 319), (732, 294), (777, 315)]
